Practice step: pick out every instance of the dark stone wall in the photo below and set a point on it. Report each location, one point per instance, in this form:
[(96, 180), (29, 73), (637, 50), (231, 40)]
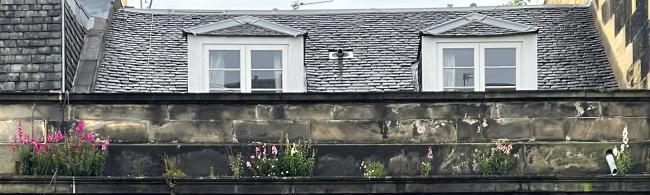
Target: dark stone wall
[(552, 134)]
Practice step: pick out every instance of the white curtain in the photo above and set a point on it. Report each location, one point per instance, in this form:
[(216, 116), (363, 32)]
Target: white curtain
[(449, 61)]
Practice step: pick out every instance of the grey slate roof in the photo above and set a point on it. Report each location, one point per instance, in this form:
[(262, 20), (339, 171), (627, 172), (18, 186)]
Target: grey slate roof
[(478, 29), (245, 29), (74, 39), (146, 52), (30, 45)]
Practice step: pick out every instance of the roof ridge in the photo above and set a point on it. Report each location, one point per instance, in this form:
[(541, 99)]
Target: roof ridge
[(343, 11)]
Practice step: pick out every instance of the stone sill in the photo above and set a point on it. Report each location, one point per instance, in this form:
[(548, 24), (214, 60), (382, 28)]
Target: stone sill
[(347, 97), (329, 185)]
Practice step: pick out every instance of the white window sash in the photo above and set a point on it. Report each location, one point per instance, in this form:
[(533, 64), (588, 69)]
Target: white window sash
[(483, 67), (245, 65), (479, 63), (284, 64)]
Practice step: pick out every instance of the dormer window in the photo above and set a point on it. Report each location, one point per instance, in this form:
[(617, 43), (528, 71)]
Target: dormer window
[(245, 54), (479, 53)]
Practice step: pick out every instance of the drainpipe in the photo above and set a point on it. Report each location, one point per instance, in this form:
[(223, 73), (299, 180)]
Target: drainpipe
[(63, 46)]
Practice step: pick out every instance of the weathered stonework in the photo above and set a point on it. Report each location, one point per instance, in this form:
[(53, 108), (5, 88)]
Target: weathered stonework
[(555, 136)]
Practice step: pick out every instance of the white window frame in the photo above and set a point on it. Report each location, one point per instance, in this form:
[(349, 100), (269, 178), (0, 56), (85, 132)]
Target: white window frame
[(293, 70), (246, 65), (526, 70)]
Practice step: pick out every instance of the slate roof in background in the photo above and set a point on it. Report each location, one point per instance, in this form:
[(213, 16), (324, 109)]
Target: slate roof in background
[(245, 29), (74, 39), (147, 52), (30, 45), (478, 29)]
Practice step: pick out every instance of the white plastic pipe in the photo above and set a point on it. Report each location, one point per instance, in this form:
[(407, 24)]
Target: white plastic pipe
[(609, 156)]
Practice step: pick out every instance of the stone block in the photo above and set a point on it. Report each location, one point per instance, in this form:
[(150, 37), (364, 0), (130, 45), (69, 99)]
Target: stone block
[(457, 159), (211, 112), (345, 131), (134, 160), (220, 131), (408, 111), (7, 162), (607, 129), (473, 110), (120, 131), (152, 113), (626, 109), (358, 111), (197, 160), (270, 131), (471, 129), (308, 111), (549, 129), (422, 131), (27, 112), (8, 129), (538, 110), (336, 165), (405, 164), (567, 159), (510, 128)]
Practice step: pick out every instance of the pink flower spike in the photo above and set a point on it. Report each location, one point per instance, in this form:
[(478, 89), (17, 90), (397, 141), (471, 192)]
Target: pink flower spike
[(59, 136), (248, 164), (105, 144), (89, 137), (50, 138), (274, 150), (80, 126), (430, 153)]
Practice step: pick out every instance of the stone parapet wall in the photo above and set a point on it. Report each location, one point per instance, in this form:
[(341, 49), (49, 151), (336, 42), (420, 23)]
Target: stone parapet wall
[(549, 128)]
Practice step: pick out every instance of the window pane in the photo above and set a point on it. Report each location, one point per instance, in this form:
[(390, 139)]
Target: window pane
[(459, 77), (500, 77), (500, 57), (224, 59), (458, 57), (266, 59), (266, 79), (224, 79)]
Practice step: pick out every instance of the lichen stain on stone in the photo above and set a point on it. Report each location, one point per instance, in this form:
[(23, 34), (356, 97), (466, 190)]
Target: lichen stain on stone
[(579, 109), (469, 120), (404, 164), (586, 187), (560, 160)]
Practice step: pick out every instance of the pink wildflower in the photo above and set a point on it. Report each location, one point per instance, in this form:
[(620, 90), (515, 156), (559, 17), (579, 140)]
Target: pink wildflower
[(252, 156), (14, 143), (89, 137), (264, 150), (59, 136), (430, 153), (248, 164), (80, 126), (274, 150), (105, 144), (21, 134), (50, 138), (37, 146)]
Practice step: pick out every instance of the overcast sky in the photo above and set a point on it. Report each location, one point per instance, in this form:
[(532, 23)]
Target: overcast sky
[(336, 4)]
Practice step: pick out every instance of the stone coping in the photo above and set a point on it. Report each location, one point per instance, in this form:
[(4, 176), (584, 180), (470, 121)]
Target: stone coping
[(328, 185), (347, 97)]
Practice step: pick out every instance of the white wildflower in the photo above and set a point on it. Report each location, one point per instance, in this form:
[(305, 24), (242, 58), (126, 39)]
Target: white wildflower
[(615, 151)]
